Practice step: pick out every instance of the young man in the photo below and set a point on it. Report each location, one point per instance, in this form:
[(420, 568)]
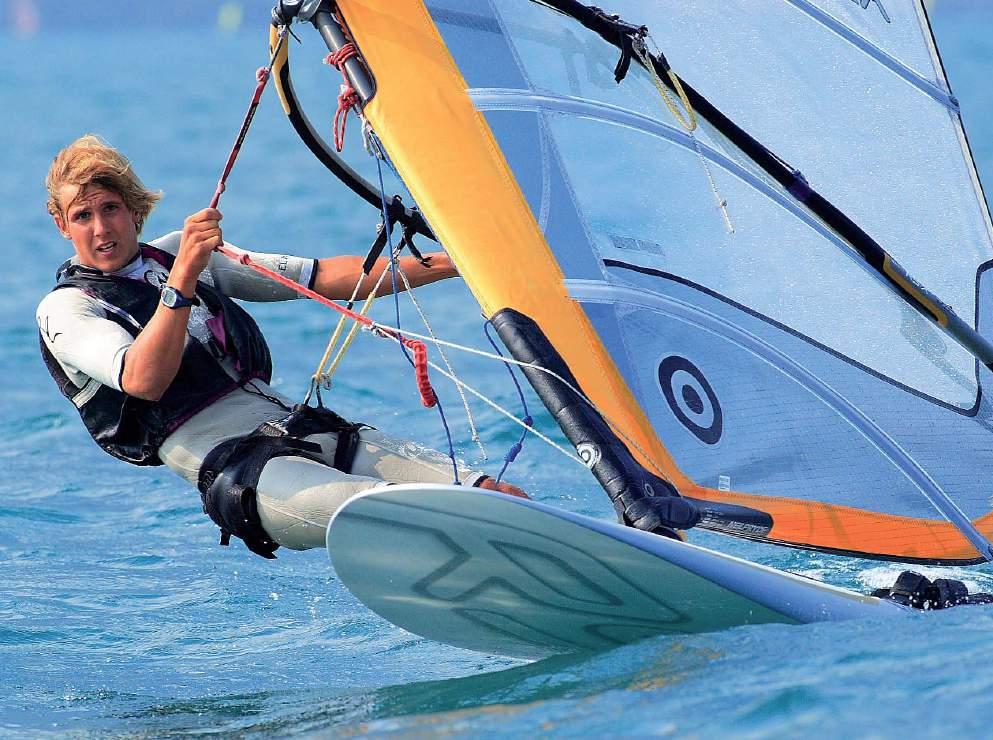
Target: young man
[(164, 368)]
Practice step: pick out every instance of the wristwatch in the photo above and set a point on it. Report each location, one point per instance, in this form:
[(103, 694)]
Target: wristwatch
[(172, 298)]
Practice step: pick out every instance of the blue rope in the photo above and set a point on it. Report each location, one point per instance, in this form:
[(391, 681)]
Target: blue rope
[(516, 448), (396, 304)]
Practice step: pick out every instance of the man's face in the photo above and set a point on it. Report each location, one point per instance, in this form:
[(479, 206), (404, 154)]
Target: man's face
[(102, 229)]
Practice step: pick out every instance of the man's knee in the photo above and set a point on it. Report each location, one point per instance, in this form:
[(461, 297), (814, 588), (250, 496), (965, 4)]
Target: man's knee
[(297, 497), (231, 472)]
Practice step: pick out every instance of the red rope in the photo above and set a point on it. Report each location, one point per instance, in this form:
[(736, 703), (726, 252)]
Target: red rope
[(346, 100), (347, 97), (261, 77), (428, 397), (244, 259)]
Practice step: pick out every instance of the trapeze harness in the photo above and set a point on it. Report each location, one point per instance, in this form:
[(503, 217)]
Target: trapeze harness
[(132, 429), (230, 472)]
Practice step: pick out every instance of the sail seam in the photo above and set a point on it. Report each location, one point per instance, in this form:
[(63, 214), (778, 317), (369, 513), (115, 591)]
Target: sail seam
[(487, 99)]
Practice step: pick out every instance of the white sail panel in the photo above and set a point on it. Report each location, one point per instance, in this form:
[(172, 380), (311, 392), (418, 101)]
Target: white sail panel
[(774, 262), (858, 102)]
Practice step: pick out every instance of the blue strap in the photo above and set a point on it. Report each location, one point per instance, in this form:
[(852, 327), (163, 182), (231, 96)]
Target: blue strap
[(515, 450)]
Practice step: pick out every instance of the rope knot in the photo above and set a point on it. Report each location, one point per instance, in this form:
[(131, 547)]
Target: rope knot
[(347, 97), (338, 58), (513, 452)]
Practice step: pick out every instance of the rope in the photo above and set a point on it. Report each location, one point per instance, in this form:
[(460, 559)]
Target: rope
[(261, 77), (516, 448), (489, 402), (375, 148), (473, 430), (293, 515), (428, 396), (413, 340), (325, 370), (391, 333), (419, 372), (377, 329), (326, 374), (347, 97), (320, 376), (688, 122), (552, 374), (722, 203)]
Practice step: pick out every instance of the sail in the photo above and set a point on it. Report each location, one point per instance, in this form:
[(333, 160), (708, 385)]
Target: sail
[(732, 337)]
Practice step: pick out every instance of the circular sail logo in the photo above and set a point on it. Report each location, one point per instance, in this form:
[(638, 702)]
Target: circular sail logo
[(589, 453), (691, 398)]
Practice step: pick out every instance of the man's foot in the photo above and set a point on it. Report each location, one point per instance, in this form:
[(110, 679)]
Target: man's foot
[(490, 484)]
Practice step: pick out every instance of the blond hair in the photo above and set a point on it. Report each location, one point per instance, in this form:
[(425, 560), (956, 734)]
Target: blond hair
[(90, 161)]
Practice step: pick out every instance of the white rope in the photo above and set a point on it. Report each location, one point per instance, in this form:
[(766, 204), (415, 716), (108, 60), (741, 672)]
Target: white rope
[(374, 147), (386, 331), (508, 414), (373, 143), (722, 203), (291, 515), (465, 402)]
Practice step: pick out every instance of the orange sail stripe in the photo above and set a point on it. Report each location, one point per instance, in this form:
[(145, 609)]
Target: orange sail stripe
[(450, 161), (850, 530)]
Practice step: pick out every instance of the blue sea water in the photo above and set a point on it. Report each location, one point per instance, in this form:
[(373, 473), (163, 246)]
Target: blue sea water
[(119, 615)]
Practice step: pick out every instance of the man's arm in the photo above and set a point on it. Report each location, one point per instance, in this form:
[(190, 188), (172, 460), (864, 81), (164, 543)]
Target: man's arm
[(87, 344), (152, 361), (336, 276)]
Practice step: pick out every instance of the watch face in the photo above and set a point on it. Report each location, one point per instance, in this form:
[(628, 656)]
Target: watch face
[(172, 298)]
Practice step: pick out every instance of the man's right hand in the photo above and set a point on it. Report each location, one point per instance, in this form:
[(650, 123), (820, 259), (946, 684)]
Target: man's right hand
[(152, 361), (201, 236)]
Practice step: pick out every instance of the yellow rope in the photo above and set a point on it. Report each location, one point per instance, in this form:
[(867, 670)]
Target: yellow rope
[(326, 376), (335, 335), (324, 372), (689, 121)]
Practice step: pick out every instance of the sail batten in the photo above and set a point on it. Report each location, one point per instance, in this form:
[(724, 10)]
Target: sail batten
[(915, 78)]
